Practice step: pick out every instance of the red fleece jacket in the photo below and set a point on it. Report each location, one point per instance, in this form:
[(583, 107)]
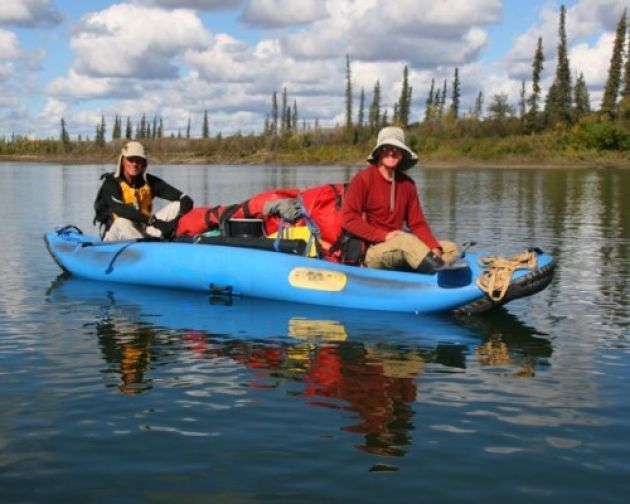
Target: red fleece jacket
[(366, 207)]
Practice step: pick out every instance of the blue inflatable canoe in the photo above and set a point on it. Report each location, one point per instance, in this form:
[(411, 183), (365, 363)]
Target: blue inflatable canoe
[(255, 269)]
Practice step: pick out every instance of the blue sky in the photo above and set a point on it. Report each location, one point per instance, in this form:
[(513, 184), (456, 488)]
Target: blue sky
[(176, 58)]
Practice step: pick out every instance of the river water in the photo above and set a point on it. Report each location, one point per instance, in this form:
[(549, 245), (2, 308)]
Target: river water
[(125, 394)]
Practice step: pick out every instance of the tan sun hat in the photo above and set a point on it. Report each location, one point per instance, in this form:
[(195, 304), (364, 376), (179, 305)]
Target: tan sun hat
[(394, 136), (132, 149)]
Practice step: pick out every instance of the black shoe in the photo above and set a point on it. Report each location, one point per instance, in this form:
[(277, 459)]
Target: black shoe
[(430, 264)]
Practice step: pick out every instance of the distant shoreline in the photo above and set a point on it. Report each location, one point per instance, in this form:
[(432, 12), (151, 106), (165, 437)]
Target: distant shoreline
[(524, 164)]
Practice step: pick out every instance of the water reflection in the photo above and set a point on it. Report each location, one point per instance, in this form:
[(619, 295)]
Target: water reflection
[(366, 365)]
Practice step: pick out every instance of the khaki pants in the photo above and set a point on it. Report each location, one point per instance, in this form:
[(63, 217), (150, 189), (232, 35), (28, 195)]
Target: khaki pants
[(405, 252), (124, 229)]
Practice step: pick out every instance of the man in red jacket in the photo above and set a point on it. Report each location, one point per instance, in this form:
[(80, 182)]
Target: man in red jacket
[(381, 199)]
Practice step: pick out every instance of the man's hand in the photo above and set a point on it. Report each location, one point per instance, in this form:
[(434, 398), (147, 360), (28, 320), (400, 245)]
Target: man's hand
[(167, 228)]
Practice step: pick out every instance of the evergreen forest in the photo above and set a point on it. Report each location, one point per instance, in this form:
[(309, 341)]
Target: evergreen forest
[(556, 126)]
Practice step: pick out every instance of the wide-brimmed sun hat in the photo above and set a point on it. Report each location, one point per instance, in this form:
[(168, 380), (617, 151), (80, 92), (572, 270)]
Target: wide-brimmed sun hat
[(395, 137), (131, 149)]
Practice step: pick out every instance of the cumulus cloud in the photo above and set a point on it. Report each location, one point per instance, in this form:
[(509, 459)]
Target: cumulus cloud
[(202, 5), (54, 108), (263, 67), (280, 13), (29, 13), (156, 56), (9, 45), (131, 41), (421, 32), (592, 60), (77, 86)]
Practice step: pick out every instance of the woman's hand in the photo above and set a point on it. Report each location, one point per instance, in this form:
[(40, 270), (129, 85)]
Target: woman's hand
[(393, 234)]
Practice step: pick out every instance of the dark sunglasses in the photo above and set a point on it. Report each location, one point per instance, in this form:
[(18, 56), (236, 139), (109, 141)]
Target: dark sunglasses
[(391, 151)]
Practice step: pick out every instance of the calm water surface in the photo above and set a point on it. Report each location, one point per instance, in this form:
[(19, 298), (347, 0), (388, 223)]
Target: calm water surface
[(125, 394)]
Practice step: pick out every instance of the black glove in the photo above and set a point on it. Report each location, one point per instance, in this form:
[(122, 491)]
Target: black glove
[(287, 208), (167, 228), (430, 264), (185, 204)]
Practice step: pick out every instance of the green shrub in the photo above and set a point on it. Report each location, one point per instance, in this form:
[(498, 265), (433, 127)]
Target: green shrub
[(602, 135)]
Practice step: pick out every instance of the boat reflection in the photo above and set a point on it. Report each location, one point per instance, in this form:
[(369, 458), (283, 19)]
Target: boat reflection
[(366, 364)]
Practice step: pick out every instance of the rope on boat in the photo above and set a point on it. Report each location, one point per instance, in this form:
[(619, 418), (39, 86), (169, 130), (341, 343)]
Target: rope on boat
[(496, 278)]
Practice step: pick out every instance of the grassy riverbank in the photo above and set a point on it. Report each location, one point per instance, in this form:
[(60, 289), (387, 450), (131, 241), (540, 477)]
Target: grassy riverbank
[(564, 147)]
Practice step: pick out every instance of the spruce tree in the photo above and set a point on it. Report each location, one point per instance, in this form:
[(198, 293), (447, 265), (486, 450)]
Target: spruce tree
[(348, 95), (533, 101), (582, 99), (128, 129), (559, 100), (188, 127), (455, 94), (374, 117), (267, 126), (143, 126), (102, 130), (287, 119), (294, 116), (116, 130), (404, 102), (613, 82), (361, 116), (63, 136), (205, 132), (521, 102), (442, 101), (625, 91), (478, 110), (274, 113), (283, 111), (430, 103)]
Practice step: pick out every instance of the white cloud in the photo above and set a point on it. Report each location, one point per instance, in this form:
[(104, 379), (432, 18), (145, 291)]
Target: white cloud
[(111, 43), (156, 57), (9, 45), (54, 108), (29, 13), (421, 32), (592, 60), (77, 86), (202, 5), (279, 13), (263, 68)]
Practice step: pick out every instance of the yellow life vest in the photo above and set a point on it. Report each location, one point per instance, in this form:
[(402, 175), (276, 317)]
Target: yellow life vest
[(141, 198)]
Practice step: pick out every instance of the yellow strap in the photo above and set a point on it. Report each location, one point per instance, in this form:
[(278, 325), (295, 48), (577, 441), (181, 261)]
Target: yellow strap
[(496, 278)]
